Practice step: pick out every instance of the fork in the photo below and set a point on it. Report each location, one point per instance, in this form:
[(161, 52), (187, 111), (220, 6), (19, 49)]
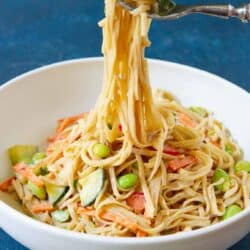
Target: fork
[(171, 11)]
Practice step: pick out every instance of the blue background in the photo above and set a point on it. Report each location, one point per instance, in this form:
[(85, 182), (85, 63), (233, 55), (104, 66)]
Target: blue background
[(39, 32)]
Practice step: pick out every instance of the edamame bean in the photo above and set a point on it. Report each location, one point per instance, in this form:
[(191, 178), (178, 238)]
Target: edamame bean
[(127, 181), (218, 174), (231, 211), (242, 166), (229, 149), (101, 150), (199, 111), (211, 132), (37, 157)]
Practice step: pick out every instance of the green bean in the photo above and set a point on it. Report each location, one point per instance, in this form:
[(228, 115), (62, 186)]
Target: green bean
[(231, 211), (218, 174), (127, 181), (101, 150)]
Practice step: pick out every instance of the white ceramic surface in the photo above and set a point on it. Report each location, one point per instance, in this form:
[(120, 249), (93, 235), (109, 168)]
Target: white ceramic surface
[(30, 105)]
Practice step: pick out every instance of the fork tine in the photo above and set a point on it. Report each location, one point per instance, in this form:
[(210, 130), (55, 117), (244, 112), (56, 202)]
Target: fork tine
[(125, 5), (154, 15)]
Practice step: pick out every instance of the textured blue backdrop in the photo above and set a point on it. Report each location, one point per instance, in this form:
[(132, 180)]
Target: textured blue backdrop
[(38, 32)]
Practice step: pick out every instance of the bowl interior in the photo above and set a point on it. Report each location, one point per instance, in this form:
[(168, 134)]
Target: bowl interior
[(31, 104)]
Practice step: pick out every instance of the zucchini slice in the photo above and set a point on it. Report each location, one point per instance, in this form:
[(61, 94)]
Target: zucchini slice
[(55, 193), (61, 215), (91, 186), (22, 153), (39, 192)]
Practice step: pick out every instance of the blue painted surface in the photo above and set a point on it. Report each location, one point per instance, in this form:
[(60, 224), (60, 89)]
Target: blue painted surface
[(39, 32)]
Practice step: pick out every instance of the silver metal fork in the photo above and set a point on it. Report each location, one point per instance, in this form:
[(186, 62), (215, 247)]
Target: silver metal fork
[(178, 11)]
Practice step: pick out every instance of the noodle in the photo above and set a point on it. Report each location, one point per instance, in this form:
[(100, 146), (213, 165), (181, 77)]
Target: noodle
[(173, 151)]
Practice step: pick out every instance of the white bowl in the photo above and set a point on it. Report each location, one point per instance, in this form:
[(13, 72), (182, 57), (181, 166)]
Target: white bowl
[(30, 105)]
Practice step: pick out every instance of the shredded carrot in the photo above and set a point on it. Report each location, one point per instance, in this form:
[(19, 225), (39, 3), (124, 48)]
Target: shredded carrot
[(41, 208), (64, 123), (50, 148), (186, 120), (216, 143), (25, 171), (4, 186), (141, 233), (74, 118), (76, 136), (51, 175), (53, 157), (124, 222), (167, 149), (56, 137), (137, 202), (86, 211), (120, 220), (178, 163)]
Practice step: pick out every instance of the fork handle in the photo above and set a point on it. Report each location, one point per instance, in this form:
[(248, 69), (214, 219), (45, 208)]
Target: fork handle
[(225, 11)]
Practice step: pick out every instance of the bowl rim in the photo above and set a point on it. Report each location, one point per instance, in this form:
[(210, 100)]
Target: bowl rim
[(22, 218)]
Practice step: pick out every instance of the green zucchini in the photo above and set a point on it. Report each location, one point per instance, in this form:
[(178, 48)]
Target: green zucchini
[(61, 215), (37, 191), (55, 193), (91, 187), (22, 153)]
